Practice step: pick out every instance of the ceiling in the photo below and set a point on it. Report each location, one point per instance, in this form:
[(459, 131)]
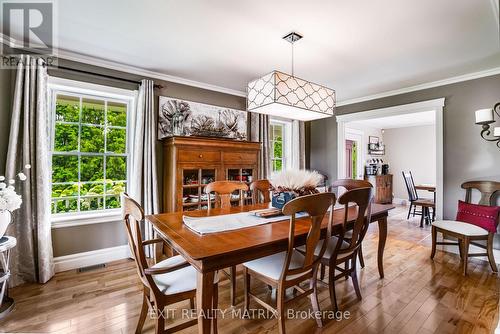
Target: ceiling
[(357, 47), (398, 121)]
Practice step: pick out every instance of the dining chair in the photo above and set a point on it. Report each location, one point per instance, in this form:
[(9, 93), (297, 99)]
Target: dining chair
[(223, 191), (261, 190), (415, 201), (469, 234), (167, 282), (349, 184), (290, 268), (345, 251)]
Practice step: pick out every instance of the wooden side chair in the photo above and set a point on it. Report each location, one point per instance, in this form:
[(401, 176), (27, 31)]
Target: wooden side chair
[(166, 282), (288, 269), (223, 191), (469, 234), (415, 201), (261, 190), (349, 184), (345, 251)]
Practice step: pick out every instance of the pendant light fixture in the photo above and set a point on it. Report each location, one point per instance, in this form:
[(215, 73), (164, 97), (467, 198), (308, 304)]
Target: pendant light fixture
[(285, 95)]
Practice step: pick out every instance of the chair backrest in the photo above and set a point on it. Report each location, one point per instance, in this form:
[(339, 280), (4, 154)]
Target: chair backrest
[(410, 186), (487, 189), (133, 216), (363, 198), (223, 191), (316, 205), (260, 191), (350, 184)]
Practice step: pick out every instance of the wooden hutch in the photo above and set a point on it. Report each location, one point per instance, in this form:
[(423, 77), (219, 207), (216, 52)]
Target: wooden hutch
[(190, 163)]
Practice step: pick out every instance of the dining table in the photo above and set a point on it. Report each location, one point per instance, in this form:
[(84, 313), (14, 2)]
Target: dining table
[(211, 252)]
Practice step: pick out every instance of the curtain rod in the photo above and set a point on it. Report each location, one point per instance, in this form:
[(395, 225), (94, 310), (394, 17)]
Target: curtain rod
[(101, 75)]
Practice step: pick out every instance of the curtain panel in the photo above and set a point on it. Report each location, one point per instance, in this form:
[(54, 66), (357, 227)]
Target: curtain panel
[(143, 175), (29, 143), (260, 132)]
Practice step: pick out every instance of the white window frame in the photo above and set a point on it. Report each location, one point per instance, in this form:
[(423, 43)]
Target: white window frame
[(72, 87), (287, 142)]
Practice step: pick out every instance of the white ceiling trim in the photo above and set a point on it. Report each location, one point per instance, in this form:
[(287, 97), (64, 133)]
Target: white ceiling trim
[(68, 55), (432, 84)]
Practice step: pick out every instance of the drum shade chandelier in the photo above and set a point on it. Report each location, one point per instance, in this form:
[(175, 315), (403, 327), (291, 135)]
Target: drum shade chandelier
[(285, 95)]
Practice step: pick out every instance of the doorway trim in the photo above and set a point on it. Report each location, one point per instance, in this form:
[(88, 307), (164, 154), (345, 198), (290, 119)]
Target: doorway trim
[(436, 105)]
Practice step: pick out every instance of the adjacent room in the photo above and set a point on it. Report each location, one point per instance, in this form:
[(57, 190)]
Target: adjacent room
[(249, 166)]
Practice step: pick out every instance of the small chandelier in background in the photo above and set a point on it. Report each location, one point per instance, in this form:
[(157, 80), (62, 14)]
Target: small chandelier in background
[(284, 95), (485, 117)]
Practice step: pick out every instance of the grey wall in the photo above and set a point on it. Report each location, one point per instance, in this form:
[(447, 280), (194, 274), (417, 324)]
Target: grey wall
[(466, 155)]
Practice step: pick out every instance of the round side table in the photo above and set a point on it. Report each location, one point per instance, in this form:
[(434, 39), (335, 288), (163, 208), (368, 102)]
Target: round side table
[(6, 303)]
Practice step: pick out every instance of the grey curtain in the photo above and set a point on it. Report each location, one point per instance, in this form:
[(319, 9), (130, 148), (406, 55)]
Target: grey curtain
[(29, 143), (143, 175), (260, 132), (298, 145)]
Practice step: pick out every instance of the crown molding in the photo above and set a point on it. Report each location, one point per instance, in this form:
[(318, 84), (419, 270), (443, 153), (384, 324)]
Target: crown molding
[(73, 56), (433, 84)]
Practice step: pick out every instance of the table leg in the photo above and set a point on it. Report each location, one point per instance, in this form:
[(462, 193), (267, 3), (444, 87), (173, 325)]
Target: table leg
[(204, 296), (382, 237)]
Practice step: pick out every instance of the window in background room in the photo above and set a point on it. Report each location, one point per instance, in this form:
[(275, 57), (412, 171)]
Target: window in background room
[(89, 151), (279, 133)]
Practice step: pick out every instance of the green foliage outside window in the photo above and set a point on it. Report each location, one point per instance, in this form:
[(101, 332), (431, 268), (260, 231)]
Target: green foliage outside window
[(276, 132), (89, 161)]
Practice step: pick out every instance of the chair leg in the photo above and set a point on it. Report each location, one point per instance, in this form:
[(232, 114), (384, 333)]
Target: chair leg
[(409, 212), (246, 282), (280, 301), (461, 249), (360, 256), (354, 277), (422, 218), (314, 298), (414, 210), (160, 320), (433, 213), (466, 254), (142, 316), (434, 240), (233, 285), (489, 250), (331, 286), (191, 304), (215, 304), (322, 271)]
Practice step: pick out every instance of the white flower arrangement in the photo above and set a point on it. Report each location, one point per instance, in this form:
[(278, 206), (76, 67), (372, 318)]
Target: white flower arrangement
[(9, 199), (299, 181)]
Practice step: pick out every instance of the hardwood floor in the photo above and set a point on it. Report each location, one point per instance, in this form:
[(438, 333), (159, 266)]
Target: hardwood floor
[(417, 295)]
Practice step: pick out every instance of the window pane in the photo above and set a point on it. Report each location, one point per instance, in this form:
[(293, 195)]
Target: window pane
[(64, 168), (278, 149), (91, 168), (116, 168), (116, 140), (92, 139), (64, 190), (115, 188), (117, 114), (278, 131), (91, 189), (92, 111), (113, 202), (67, 108), (91, 203), (65, 205), (66, 137)]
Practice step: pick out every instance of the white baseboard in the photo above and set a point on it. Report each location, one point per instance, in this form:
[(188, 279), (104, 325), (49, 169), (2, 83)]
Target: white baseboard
[(399, 201), (78, 260)]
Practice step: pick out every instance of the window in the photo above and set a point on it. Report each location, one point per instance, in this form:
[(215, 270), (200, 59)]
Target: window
[(89, 150), (279, 133)]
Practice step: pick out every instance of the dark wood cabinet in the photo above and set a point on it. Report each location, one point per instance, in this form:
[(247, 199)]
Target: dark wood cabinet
[(383, 187), (190, 163)]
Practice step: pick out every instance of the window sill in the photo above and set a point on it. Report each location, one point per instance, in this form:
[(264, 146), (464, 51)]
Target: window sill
[(79, 219)]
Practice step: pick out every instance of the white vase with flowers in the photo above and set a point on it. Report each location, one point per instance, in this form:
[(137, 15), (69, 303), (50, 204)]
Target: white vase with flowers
[(10, 200)]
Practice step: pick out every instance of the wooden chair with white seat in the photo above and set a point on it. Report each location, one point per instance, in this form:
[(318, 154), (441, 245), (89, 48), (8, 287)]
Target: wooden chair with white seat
[(167, 282), (261, 191), (345, 251), (288, 269), (223, 191), (468, 234)]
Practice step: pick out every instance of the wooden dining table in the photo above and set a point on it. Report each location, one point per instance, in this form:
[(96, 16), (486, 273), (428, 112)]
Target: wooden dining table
[(216, 251)]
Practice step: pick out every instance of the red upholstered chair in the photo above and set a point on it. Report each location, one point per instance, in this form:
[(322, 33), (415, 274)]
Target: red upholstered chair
[(467, 233)]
